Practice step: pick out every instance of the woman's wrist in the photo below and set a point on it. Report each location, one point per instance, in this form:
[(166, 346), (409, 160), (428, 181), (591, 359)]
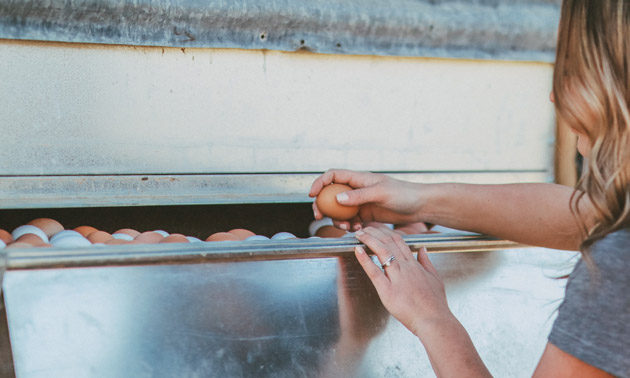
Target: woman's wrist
[(429, 329), (425, 196), (451, 350)]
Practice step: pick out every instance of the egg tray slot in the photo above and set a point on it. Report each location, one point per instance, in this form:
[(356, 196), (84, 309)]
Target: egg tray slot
[(194, 220)]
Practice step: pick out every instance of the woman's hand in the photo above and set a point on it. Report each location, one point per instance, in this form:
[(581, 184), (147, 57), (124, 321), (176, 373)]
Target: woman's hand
[(380, 197), (411, 290), (414, 293)]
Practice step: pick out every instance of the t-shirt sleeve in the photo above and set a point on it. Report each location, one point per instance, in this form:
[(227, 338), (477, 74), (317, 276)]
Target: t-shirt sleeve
[(593, 322)]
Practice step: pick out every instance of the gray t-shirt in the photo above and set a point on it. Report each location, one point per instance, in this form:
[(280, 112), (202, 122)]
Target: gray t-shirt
[(593, 322)]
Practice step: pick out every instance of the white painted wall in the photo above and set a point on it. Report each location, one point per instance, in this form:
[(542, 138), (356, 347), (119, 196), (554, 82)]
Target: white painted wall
[(86, 109)]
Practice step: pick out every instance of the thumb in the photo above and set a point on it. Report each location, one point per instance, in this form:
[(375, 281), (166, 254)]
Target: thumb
[(358, 196)]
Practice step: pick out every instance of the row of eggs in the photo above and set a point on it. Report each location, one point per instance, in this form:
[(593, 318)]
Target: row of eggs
[(46, 232)]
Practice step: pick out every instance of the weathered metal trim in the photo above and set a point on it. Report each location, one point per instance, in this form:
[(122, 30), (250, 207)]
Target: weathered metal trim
[(498, 29), (31, 192), (138, 254)]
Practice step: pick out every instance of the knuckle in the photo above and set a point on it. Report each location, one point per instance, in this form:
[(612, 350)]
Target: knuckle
[(390, 239), (397, 238)]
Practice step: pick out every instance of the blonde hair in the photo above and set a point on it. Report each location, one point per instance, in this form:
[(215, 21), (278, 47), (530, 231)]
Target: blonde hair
[(591, 87)]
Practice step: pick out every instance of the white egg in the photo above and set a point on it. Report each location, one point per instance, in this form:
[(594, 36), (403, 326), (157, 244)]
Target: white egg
[(64, 233), (2, 244), (28, 229), (283, 236), (122, 236), (162, 232), (193, 239), (256, 237), (71, 241)]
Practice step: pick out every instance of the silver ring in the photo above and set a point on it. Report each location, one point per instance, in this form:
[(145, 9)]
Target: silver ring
[(388, 262)]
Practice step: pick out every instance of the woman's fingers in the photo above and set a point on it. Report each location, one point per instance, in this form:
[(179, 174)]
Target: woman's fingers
[(339, 176), (360, 196), (376, 275), (384, 243), (423, 259), (316, 213), (344, 225), (383, 246), (404, 249), (353, 179)]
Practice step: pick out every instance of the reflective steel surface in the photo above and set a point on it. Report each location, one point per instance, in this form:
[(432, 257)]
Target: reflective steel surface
[(309, 317)]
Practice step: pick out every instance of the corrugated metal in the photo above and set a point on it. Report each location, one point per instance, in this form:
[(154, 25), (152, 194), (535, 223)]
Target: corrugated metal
[(486, 29)]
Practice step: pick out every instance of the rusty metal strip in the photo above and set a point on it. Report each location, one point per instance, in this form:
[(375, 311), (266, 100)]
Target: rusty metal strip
[(497, 29)]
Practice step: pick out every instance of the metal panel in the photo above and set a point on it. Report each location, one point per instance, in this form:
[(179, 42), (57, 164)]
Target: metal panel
[(98, 191), (85, 110), (496, 29), (311, 317)]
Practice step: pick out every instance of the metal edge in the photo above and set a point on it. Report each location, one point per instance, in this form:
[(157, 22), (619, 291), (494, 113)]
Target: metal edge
[(23, 192), (124, 255)]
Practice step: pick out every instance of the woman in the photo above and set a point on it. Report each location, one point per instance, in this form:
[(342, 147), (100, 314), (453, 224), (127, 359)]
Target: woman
[(591, 335)]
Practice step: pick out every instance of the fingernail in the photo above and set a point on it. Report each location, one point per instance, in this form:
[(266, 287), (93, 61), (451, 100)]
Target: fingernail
[(343, 226), (342, 197), (356, 227), (359, 250)]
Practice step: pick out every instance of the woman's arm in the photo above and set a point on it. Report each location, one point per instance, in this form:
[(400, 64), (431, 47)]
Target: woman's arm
[(534, 214), (413, 292), (558, 364)]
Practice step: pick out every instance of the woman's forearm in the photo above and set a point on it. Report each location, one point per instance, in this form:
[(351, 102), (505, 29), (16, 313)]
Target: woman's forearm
[(451, 351), (533, 214)]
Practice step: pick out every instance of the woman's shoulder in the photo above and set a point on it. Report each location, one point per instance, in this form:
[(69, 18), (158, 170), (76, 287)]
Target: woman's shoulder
[(593, 322), (616, 236), (612, 252)]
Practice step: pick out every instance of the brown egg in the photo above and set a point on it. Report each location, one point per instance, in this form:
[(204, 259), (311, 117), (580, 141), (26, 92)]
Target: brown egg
[(31, 239), (128, 231), (328, 205), (85, 230), (241, 233), (329, 232), (117, 241), (175, 238), (6, 237), (149, 237), (19, 245), (222, 236), (49, 226), (99, 237)]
